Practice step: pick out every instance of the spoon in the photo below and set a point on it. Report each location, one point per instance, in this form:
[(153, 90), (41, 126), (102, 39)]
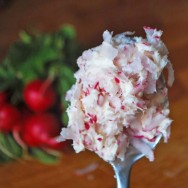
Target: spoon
[(122, 169)]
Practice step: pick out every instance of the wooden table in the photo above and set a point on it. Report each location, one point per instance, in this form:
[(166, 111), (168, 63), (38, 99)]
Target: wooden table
[(91, 18)]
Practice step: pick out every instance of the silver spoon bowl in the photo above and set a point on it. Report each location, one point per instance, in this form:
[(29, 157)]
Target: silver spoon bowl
[(122, 169)]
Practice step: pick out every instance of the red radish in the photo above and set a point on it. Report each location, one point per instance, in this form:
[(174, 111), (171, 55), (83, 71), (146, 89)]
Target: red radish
[(9, 115), (54, 144), (3, 97), (39, 95), (40, 129)]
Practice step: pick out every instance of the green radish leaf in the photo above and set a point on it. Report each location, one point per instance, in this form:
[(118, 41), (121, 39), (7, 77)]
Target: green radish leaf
[(4, 158), (43, 156), (25, 37), (9, 148), (13, 146), (68, 31), (68, 75), (64, 86), (66, 81), (65, 119)]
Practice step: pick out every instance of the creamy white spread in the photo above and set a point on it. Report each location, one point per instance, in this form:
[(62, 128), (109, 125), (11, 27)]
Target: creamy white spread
[(119, 97)]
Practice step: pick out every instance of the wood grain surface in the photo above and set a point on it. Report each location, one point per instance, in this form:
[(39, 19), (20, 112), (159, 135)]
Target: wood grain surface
[(91, 18)]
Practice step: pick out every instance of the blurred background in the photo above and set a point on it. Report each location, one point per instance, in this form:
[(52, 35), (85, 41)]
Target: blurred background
[(90, 19)]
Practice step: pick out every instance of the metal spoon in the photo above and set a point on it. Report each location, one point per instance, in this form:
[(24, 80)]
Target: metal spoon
[(122, 169)]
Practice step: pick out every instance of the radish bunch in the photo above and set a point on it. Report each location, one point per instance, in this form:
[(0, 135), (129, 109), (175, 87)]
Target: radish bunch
[(35, 76), (39, 127)]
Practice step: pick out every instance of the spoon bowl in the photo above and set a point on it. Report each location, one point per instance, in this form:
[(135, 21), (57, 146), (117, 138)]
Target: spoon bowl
[(122, 169)]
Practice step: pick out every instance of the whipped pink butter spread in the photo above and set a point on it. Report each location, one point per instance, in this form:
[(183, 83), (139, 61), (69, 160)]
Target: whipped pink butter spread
[(120, 97)]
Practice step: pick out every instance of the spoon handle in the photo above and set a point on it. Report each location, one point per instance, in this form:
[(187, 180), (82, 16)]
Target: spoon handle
[(122, 169), (122, 174)]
